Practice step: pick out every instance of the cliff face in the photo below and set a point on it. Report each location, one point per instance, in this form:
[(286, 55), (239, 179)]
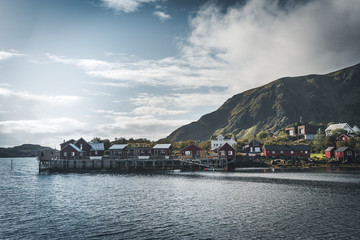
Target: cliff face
[(333, 97)]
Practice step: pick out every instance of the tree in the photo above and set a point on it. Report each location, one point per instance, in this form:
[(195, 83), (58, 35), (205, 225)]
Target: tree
[(106, 143), (96, 140), (206, 145), (320, 142)]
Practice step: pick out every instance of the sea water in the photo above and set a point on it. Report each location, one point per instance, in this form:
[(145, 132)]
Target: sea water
[(249, 204)]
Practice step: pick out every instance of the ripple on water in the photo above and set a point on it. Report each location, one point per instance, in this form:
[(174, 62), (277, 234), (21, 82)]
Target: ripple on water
[(247, 205)]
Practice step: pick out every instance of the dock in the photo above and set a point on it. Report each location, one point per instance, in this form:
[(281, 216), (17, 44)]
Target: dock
[(106, 164)]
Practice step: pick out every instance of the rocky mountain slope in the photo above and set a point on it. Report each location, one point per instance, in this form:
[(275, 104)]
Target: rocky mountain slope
[(333, 97)]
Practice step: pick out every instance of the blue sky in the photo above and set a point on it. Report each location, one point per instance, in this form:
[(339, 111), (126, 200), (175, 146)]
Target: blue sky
[(142, 68)]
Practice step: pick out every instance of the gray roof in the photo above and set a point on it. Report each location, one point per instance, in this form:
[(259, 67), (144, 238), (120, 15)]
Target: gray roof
[(287, 147), (118, 147), (342, 149), (329, 149), (97, 146), (75, 147), (162, 146), (336, 126)]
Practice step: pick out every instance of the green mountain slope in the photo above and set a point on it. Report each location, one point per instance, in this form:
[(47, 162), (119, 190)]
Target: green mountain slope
[(333, 97)]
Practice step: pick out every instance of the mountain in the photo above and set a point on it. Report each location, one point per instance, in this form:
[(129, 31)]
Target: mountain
[(25, 150), (333, 97)]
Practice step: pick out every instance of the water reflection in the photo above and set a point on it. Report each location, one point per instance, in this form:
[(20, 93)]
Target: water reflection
[(252, 203)]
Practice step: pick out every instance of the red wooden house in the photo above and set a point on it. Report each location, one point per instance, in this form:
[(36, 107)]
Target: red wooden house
[(71, 151), (330, 152), (287, 150), (81, 149), (343, 138), (344, 153), (65, 143), (226, 152), (192, 151), (83, 145)]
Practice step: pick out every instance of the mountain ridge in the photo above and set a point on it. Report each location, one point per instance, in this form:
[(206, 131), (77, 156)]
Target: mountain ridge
[(332, 97)]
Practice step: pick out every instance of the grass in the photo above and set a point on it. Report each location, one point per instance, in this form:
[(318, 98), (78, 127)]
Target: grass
[(317, 155)]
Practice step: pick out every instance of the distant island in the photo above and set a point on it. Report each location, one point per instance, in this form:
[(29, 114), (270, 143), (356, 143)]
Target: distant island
[(25, 150)]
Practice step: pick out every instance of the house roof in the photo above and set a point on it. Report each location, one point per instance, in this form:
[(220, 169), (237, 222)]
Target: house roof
[(226, 146), (162, 146), (329, 149), (287, 147), (342, 149), (256, 143), (338, 125), (75, 147), (118, 147), (192, 146), (97, 147)]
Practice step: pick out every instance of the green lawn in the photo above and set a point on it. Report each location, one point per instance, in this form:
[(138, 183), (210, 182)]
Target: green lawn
[(317, 155)]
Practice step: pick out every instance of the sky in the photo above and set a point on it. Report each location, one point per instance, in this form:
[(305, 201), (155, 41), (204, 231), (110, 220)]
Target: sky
[(143, 68)]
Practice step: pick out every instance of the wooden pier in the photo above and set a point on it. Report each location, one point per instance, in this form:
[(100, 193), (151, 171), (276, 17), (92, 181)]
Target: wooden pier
[(128, 165)]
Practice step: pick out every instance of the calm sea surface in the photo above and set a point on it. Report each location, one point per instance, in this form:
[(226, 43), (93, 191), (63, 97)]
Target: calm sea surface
[(201, 205)]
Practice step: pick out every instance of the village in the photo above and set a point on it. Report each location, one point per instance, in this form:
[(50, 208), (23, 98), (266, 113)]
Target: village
[(220, 152)]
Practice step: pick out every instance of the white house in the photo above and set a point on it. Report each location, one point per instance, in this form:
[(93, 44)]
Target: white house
[(220, 140), (344, 126), (356, 129)]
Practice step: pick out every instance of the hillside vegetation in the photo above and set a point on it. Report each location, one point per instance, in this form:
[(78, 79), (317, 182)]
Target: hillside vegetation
[(25, 150), (332, 97)]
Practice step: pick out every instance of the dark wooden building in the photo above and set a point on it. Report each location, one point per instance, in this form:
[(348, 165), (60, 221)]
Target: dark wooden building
[(163, 151), (287, 150), (254, 146), (345, 153), (118, 151), (97, 149), (227, 152), (71, 151), (65, 143), (192, 151)]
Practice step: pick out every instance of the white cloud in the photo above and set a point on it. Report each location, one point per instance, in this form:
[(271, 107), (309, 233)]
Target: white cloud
[(262, 41), (52, 125), (236, 49), (162, 16), (126, 6), (6, 55), (245, 47), (140, 126), (4, 92)]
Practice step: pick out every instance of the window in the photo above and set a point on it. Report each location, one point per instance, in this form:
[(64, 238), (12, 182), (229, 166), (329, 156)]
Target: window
[(96, 152), (306, 152), (73, 154), (349, 153), (281, 152), (230, 153), (81, 146), (65, 154), (187, 153), (273, 152), (292, 152)]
